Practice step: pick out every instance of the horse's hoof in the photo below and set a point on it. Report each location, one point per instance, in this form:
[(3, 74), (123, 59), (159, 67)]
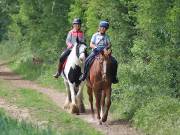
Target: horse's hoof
[(74, 109), (67, 106), (99, 122), (93, 116), (104, 118), (106, 124)]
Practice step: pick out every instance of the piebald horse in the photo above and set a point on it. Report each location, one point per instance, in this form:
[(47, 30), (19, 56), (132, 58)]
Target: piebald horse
[(99, 82), (71, 73)]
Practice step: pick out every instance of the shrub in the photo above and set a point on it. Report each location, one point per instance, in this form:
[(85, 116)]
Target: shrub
[(159, 117)]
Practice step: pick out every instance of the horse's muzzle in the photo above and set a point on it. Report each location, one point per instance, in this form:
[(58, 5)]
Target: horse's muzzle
[(82, 57), (104, 77)]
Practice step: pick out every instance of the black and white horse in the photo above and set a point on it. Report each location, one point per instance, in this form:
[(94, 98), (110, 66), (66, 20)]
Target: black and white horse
[(71, 73)]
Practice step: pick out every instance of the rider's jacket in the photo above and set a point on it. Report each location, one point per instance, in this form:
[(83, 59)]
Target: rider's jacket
[(100, 40), (72, 37)]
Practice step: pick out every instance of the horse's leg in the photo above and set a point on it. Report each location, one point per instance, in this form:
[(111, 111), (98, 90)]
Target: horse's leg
[(73, 107), (79, 97), (108, 104), (103, 102), (68, 98), (90, 93), (98, 100)]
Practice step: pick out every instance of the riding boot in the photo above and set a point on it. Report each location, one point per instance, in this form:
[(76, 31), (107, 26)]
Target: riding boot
[(114, 71), (84, 75), (114, 75), (115, 80), (58, 73), (88, 62)]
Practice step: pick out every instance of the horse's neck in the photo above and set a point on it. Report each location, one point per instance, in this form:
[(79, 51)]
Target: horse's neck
[(73, 57), (97, 66)]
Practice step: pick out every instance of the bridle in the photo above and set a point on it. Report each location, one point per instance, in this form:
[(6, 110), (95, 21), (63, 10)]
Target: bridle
[(78, 51), (105, 56)]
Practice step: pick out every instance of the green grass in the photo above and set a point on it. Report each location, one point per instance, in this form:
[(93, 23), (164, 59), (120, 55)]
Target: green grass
[(10, 126), (20, 61), (154, 116), (161, 116), (43, 109)]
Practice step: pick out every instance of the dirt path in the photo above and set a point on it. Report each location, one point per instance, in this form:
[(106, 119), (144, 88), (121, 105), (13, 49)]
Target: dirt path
[(14, 111), (113, 127), (21, 114)]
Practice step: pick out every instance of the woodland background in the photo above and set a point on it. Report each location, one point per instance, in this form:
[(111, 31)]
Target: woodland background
[(145, 37)]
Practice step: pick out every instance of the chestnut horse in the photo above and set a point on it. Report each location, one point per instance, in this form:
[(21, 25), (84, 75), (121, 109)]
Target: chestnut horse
[(99, 82)]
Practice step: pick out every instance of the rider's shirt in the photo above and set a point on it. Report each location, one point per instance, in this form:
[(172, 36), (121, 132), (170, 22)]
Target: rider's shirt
[(100, 40), (72, 36)]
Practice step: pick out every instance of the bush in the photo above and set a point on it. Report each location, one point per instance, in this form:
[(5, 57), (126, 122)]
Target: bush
[(159, 117)]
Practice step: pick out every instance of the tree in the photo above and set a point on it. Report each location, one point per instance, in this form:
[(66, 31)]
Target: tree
[(121, 24)]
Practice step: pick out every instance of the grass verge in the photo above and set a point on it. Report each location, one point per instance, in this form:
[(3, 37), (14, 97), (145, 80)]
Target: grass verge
[(43, 109), (161, 116), (10, 126)]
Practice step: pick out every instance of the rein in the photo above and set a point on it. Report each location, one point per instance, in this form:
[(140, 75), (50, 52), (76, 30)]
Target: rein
[(77, 50), (103, 61)]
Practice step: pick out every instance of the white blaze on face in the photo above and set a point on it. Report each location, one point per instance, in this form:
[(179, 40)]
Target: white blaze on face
[(82, 56), (104, 69)]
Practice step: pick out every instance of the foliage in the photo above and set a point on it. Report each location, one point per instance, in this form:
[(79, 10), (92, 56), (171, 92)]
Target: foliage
[(145, 38), (10, 126), (6, 7), (38, 26), (77, 9), (159, 117), (121, 28)]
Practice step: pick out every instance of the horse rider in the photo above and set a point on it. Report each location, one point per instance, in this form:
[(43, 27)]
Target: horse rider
[(99, 41), (73, 36)]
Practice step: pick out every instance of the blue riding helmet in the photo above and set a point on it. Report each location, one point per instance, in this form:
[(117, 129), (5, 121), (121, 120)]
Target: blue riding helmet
[(77, 21), (104, 24)]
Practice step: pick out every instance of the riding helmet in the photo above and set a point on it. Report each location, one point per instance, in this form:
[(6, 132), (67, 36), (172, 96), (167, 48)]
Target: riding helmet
[(77, 21), (104, 24)]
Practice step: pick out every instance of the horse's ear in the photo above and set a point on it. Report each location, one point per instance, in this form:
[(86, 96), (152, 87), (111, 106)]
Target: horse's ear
[(108, 47), (102, 52), (109, 51)]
